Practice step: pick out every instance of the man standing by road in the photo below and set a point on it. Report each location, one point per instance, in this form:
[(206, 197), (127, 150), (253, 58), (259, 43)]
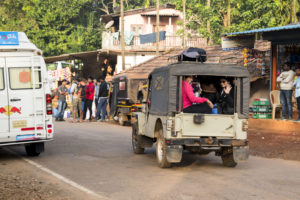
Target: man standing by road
[(97, 87), (286, 84), (297, 92), (77, 103), (89, 96), (103, 95), (62, 93), (103, 68)]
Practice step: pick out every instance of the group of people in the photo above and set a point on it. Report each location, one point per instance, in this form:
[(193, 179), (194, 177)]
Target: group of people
[(83, 95), (196, 100), (287, 82)]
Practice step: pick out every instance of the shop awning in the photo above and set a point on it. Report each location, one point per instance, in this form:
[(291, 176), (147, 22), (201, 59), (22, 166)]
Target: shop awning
[(289, 33), (79, 55), (264, 30)]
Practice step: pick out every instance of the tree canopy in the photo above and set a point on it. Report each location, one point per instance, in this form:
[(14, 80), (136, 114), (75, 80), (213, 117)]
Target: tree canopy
[(73, 25)]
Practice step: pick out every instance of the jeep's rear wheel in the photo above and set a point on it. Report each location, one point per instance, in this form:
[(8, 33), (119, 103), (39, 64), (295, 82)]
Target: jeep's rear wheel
[(136, 140), (161, 151), (228, 160), (121, 119)]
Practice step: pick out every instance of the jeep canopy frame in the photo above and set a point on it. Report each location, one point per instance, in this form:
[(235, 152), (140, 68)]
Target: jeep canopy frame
[(165, 82)]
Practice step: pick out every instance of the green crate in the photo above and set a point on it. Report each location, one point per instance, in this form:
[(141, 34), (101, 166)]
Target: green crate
[(262, 116), (261, 103), (262, 109)]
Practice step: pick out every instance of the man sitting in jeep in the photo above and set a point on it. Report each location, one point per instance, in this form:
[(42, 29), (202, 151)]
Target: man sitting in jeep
[(202, 105)]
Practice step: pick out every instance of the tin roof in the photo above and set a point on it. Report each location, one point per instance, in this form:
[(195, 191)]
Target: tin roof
[(262, 30), (106, 18)]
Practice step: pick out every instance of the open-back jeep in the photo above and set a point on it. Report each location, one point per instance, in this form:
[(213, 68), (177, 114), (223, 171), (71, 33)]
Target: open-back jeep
[(163, 121)]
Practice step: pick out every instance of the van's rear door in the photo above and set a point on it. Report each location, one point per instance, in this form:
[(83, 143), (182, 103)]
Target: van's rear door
[(4, 123), (26, 98)]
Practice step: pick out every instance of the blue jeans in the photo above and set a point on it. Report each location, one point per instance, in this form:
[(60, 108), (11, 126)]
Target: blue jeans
[(61, 109), (101, 108), (286, 102)]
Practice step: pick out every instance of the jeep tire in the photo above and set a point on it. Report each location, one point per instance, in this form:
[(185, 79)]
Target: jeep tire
[(228, 160), (136, 140), (161, 151), (121, 119)]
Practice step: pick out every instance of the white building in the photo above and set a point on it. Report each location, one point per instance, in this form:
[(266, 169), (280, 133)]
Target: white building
[(140, 22)]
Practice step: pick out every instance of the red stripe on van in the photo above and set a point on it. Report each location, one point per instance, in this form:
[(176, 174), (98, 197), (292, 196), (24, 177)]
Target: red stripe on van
[(31, 129)]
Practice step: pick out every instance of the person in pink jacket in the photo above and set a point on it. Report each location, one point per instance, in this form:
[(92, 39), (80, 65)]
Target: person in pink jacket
[(202, 105)]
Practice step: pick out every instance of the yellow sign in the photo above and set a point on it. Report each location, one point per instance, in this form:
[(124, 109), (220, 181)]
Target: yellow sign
[(19, 124)]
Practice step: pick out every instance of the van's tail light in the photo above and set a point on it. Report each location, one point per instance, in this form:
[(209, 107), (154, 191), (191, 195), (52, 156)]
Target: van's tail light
[(49, 128), (48, 104)]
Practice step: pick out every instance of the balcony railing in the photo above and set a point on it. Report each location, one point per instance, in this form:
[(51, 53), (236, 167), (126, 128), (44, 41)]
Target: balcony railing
[(112, 43)]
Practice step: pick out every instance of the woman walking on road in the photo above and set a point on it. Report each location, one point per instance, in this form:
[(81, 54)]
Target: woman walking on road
[(89, 97)]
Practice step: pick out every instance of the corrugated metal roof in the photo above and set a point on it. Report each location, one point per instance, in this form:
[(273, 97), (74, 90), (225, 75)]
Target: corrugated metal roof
[(278, 28)]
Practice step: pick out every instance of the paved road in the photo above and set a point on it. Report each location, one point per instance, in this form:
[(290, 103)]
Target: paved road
[(99, 157)]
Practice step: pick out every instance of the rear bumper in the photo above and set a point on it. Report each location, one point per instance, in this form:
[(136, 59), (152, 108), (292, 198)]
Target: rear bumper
[(207, 142), (24, 142)]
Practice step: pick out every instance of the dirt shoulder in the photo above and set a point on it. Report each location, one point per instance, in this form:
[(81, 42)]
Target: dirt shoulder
[(275, 144), (20, 180)]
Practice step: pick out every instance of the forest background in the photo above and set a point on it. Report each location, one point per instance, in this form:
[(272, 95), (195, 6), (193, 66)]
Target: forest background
[(65, 26)]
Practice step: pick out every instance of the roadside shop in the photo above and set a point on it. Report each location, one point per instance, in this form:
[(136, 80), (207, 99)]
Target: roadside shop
[(285, 47)]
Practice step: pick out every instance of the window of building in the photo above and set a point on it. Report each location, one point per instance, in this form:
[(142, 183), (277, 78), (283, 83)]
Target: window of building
[(137, 29)]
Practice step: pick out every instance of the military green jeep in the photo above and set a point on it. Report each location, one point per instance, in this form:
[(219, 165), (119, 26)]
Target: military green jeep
[(163, 121)]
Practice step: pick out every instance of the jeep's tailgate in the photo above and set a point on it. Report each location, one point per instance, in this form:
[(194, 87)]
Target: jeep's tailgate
[(213, 125)]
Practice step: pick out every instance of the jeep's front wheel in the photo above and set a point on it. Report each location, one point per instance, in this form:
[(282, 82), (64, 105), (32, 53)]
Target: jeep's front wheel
[(161, 151), (136, 140)]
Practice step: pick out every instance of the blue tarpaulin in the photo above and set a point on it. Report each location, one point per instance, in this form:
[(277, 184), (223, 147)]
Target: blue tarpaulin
[(151, 37)]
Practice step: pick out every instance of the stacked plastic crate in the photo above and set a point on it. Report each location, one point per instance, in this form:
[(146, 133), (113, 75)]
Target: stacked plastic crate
[(261, 109)]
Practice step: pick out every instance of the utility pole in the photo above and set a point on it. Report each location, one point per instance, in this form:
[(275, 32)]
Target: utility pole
[(122, 35), (228, 13), (294, 12), (208, 24), (157, 27), (184, 23)]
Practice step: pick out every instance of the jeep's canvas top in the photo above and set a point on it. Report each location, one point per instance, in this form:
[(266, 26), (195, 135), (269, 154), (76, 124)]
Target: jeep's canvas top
[(206, 69), (165, 81), (17, 41)]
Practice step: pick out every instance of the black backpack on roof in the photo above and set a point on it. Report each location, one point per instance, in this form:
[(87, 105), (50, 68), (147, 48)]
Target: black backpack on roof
[(193, 54)]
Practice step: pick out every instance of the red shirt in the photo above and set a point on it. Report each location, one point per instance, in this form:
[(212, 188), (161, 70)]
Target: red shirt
[(89, 91), (189, 97)]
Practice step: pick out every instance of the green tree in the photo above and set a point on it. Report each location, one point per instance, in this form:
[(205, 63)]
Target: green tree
[(54, 26)]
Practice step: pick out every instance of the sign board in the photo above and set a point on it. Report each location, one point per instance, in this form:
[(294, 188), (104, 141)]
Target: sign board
[(238, 42), (9, 38)]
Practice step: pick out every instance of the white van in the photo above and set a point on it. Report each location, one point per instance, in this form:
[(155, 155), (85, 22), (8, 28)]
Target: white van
[(25, 100)]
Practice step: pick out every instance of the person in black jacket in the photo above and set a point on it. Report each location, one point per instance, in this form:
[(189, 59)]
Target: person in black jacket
[(102, 100), (103, 69), (226, 97)]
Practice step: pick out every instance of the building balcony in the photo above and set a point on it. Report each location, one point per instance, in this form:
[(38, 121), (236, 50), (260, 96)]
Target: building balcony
[(109, 42)]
